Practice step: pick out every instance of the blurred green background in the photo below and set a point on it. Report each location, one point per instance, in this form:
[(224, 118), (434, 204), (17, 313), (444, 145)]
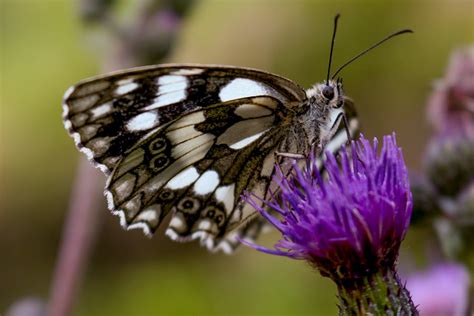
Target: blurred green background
[(45, 48)]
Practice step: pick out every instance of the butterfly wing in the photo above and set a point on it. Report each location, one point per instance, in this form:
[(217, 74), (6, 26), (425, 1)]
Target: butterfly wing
[(108, 115), (196, 167)]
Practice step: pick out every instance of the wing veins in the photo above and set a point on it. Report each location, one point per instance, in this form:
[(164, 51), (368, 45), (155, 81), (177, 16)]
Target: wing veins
[(165, 183), (210, 194)]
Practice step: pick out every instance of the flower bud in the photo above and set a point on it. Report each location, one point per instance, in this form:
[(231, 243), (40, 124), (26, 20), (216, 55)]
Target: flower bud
[(425, 199), (451, 105), (449, 162)]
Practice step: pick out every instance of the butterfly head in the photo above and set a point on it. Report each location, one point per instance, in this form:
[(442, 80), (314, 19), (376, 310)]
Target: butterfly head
[(328, 95), (326, 108)]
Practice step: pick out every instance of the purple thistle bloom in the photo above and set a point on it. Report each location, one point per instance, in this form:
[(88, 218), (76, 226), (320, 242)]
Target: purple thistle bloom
[(351, 224), (442, 289)]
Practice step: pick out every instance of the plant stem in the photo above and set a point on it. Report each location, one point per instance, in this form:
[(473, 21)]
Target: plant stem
[(80, 231), (379, 294)]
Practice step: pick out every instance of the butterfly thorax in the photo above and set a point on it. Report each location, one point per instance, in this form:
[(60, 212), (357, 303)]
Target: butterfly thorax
[(316, 119)]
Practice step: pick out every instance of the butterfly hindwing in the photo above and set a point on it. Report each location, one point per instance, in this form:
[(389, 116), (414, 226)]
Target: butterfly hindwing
[(196, 167), (110, 114)]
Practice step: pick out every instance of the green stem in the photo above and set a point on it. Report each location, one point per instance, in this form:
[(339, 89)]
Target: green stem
[(378, 294)]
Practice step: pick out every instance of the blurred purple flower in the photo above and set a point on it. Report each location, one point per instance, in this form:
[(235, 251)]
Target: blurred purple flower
[(28, 306), (350, 225), (451, 105), (151, 36), (167, 21), (441, 290)]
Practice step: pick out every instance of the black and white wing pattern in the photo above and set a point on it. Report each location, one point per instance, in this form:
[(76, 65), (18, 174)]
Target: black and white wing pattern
[(184, 140), (107, 115), (196, 167)]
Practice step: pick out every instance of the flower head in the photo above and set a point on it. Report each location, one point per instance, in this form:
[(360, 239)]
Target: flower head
[(451, 105), (351, 224)]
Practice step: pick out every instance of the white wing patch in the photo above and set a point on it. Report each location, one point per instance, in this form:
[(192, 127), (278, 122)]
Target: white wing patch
[(101, 110), (205, 224), (246, 141), (207, 183), (242, 88), (330, 125), (225, 194), (183, 179), (126, 87), (143, 121), (187, 159), (171, 89), (188, 72), (148, 215), (178, 224)]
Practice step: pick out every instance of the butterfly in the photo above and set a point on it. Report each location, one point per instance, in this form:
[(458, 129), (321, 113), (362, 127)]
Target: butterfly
[(184, 141)]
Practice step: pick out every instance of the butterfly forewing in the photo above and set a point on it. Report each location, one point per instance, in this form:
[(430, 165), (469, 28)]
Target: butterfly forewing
[(108, 115), (197, 167)]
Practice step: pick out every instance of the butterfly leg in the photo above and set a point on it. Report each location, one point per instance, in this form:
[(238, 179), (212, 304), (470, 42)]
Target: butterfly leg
[(346, 127), (336, 124), (289, 155)]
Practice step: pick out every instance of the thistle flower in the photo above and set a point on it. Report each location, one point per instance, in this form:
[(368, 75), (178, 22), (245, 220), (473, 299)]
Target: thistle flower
[(350, 225), (451, 105), (446, 197)]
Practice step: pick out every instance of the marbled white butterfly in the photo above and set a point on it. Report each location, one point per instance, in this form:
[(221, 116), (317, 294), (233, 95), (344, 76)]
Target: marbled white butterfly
[(188, 140)]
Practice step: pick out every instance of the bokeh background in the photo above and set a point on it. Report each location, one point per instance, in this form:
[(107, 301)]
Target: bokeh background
[(46, 47)]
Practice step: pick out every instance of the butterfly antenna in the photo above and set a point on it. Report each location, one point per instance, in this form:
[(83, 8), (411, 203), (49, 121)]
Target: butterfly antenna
[(370, 48), (332, 46)]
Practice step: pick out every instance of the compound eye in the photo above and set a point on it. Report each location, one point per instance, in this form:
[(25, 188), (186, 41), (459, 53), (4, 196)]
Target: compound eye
[(328, 92)]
